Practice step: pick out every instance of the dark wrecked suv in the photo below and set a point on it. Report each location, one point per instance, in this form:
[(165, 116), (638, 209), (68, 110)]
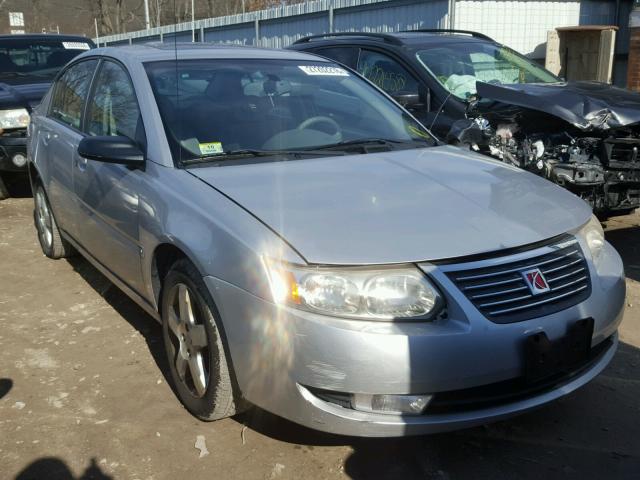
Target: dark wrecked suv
[(473, 91), (28, 64)]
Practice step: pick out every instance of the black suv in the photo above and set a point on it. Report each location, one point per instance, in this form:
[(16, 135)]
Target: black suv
[(28, 64), (473, 91)]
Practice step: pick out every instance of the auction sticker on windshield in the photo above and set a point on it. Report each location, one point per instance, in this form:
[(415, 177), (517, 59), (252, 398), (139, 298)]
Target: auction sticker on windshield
[(324, 70), (76, 45), (211, 148)]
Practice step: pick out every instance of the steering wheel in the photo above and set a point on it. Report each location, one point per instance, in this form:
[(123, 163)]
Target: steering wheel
[(319, 120)]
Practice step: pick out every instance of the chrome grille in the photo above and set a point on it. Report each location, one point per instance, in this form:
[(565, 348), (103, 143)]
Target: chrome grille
[(501, 293)]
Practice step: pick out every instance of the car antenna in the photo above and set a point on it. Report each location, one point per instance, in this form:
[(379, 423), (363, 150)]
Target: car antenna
[(438, 113), (175, 49)]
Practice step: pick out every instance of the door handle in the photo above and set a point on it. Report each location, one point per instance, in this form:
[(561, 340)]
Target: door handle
[(47, 136), (81, 163)]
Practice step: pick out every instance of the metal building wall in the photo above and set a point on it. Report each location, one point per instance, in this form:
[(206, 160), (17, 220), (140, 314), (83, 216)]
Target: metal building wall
[(241, 34), (521, 24), (280, 32), (279, 27), (393, 16)]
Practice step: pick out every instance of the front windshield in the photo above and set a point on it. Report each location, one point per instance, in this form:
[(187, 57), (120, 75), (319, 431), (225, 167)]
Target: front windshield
[(37, 57), (459, 65), (215, 107)]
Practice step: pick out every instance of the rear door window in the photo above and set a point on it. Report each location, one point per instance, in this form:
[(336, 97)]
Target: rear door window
[(70, 93), (346, 55)]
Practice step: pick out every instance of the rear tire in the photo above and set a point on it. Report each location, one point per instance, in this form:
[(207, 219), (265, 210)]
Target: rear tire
[(194, 345), (51, 242), (4, 191)]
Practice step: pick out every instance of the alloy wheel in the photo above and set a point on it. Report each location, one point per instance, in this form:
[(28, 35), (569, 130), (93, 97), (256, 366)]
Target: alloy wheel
[(189, 344), (43, 217)]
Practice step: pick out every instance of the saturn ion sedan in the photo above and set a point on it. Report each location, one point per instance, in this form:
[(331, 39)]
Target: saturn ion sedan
[(311, 249)]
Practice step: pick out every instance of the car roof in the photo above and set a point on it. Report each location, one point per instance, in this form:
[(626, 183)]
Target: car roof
[(407, 38), (156, 51), (46, 36)]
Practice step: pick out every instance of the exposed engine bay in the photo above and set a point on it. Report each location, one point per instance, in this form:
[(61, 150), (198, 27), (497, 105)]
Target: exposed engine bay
[(588, 148)]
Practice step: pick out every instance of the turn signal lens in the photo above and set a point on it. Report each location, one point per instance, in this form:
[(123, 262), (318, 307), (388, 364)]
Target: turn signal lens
[(593, 234)]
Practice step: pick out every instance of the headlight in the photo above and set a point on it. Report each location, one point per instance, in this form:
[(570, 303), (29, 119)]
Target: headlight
[(17, 118), (593, 234), (369, 294)]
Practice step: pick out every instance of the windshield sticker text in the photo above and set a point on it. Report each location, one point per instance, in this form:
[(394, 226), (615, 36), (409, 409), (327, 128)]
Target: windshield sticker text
[(76, 45), (212, 148), (324, 70)]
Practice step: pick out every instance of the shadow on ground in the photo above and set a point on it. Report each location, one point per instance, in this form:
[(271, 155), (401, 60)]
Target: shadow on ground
[(6, 384), (17, 184), (127, 309), (52, 468)]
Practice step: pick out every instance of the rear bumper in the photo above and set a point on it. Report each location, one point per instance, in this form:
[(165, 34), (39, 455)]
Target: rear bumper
[(9, 147), (277, 352)]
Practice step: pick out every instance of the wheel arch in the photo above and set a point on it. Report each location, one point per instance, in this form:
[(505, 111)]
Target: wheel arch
[(34, 175), (164, 255)]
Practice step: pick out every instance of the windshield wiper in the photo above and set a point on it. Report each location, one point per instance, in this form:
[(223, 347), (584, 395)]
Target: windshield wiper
[(22, 74), (362, 142), (14, 74), (249, 152)]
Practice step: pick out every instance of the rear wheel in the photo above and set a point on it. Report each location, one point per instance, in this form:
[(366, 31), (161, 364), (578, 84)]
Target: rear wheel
[(51, 242), (194, 345)]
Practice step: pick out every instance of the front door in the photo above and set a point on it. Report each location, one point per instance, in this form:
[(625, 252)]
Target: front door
[(108, 194), (58, 139)]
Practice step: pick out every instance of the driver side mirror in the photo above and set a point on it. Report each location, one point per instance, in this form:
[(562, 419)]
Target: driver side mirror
[(408, 100), (112, 149), (414, 100)]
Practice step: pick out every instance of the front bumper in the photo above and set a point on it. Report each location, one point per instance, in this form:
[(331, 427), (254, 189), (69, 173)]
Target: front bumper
[(9, 147), (277, 352)]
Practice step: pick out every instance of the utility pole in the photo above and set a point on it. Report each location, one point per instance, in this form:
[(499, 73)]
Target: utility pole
[(193, 22), (633, 66), (95, 22), (146, 14)]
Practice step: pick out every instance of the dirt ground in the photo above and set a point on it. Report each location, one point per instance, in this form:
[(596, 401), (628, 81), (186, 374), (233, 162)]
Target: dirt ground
[(84, 394)]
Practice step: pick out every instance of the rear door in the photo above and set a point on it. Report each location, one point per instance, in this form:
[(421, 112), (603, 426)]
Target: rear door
[(59, 135), (107, 194)]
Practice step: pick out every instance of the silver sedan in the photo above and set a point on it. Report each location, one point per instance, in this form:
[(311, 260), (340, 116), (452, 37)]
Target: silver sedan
[(311, 249)]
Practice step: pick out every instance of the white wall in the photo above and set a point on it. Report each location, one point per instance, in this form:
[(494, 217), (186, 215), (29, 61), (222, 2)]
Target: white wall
[(523, 24)]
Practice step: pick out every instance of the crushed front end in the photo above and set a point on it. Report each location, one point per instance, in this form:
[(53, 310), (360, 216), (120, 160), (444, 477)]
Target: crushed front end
[(604, 170), (595, 158)]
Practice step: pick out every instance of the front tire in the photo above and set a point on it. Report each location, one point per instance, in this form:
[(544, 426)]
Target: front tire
[(51, 242), (194, 345)]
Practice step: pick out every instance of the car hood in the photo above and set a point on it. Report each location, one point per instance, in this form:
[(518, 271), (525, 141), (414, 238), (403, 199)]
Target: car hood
[(400, 206), (586, 105), (22, 92)]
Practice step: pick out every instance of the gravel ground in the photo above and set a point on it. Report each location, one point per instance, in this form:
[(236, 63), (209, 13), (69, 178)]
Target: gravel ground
[(84, 394)]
